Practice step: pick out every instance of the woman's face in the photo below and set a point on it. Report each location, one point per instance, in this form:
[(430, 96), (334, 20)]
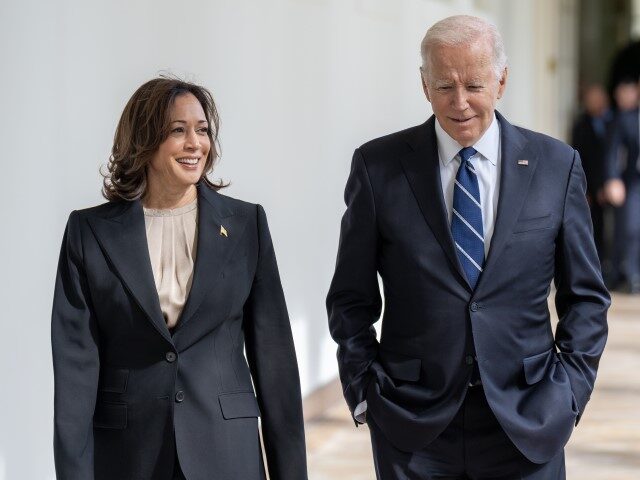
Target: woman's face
[(179, 161)]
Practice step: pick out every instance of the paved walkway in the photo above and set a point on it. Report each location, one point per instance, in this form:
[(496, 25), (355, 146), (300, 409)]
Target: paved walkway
[(605, 446)]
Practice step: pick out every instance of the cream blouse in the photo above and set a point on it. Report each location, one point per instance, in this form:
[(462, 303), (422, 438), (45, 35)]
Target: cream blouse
[(172, 238)]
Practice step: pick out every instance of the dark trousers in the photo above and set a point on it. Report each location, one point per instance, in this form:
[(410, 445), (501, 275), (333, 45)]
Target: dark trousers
[(631, 211), (472, 447)]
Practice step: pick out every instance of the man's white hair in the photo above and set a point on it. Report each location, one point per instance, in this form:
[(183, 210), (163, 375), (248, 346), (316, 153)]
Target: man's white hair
[(464, 30)]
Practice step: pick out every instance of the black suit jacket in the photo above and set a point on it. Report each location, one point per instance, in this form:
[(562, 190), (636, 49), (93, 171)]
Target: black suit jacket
[(415, 378), (127, 392)]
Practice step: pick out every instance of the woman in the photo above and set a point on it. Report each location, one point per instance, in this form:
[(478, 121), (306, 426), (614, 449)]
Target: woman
[(158, 292)]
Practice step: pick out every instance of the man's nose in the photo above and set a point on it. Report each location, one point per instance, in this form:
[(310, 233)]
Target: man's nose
[(459, 100)]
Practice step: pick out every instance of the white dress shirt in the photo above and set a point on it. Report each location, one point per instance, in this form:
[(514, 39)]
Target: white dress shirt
[(487, 166)]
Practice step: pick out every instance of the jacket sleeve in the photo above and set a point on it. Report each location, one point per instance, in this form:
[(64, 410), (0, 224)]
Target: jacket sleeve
[(354, 303), (272, 359), (76, 362), (615, 147), (581, 298)]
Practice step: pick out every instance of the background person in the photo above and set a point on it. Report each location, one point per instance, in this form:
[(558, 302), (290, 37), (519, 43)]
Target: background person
[(589, 138), (622, 187), (625, 95)]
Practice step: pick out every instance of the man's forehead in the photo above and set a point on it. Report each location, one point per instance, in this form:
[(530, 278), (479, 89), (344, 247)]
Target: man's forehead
[(453, 78), (460, 60), (480, 48), (478, 69)]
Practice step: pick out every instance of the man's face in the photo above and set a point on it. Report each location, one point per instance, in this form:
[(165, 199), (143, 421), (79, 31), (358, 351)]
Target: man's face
[(626, 95), (461, 85), (596, 101)]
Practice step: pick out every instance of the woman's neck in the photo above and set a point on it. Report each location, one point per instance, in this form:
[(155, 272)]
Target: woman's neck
[(163, 199)]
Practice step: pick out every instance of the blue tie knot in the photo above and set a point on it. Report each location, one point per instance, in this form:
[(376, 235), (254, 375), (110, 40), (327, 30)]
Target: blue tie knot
[(466, 153)]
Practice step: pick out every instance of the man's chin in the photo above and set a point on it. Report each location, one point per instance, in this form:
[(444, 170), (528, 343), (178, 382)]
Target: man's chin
[(464, 136)]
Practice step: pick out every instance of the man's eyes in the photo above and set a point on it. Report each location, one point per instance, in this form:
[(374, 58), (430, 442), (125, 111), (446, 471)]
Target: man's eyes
[(447, 88)]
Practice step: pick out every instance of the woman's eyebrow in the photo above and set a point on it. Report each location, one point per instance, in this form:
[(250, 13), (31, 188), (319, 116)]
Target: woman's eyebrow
[(184, 121)]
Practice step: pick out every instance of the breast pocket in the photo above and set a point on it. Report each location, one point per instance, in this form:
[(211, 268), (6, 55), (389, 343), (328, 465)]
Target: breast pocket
[(531, 224)]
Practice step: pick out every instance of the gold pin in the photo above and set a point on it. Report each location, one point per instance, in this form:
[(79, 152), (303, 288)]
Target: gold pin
[(523, 162), (223, 231)]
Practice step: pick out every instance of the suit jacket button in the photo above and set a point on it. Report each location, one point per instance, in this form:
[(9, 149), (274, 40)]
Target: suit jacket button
[(171, 357), (179, 396), (468, 359), (474, 307)]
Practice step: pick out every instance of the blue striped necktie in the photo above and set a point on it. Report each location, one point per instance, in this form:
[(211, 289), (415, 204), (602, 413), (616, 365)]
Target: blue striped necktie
[(466, 220)]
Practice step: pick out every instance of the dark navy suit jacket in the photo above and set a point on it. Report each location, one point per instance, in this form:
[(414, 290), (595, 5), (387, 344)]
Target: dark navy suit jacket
[(415, 379), (624, 148), (127, 392)]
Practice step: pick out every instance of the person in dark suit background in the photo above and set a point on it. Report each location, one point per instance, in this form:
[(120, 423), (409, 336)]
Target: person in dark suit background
[(158, 292), (622, 186), (625, 94), (467, 219), (625, 98), (589, 138)]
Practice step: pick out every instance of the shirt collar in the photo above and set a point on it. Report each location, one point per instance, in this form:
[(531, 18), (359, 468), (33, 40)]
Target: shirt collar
[(488, 145)]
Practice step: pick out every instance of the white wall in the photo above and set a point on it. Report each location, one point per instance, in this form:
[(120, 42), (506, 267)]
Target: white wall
[(299, 84)]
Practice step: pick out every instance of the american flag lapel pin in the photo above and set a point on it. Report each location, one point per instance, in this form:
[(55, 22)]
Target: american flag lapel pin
[(223, 231), (523, 162)]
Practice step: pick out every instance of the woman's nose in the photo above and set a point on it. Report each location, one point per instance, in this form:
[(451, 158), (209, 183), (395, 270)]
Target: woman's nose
[(192, 141)]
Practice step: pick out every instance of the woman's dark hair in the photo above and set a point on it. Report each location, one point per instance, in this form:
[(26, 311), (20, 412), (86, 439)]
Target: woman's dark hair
[(143, 126)]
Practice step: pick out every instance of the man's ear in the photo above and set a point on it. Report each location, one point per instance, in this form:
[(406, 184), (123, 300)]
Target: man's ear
[(425, 89), (502, 83)]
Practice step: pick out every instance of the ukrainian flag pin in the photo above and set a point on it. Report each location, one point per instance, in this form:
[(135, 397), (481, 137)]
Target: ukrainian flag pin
[(223, 231)]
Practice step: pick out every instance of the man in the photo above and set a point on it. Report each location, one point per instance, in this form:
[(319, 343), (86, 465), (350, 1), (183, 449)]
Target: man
[(467, 219), (622, 187), (589, 138)]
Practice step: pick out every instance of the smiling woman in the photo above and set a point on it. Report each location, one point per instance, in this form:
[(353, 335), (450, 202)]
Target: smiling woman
[(170, 334), (179, 161), (163, 117)]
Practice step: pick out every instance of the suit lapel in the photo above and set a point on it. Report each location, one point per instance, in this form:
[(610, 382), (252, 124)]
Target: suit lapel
[(422, 169), (514, 186), (219, 230), (123, 239)]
